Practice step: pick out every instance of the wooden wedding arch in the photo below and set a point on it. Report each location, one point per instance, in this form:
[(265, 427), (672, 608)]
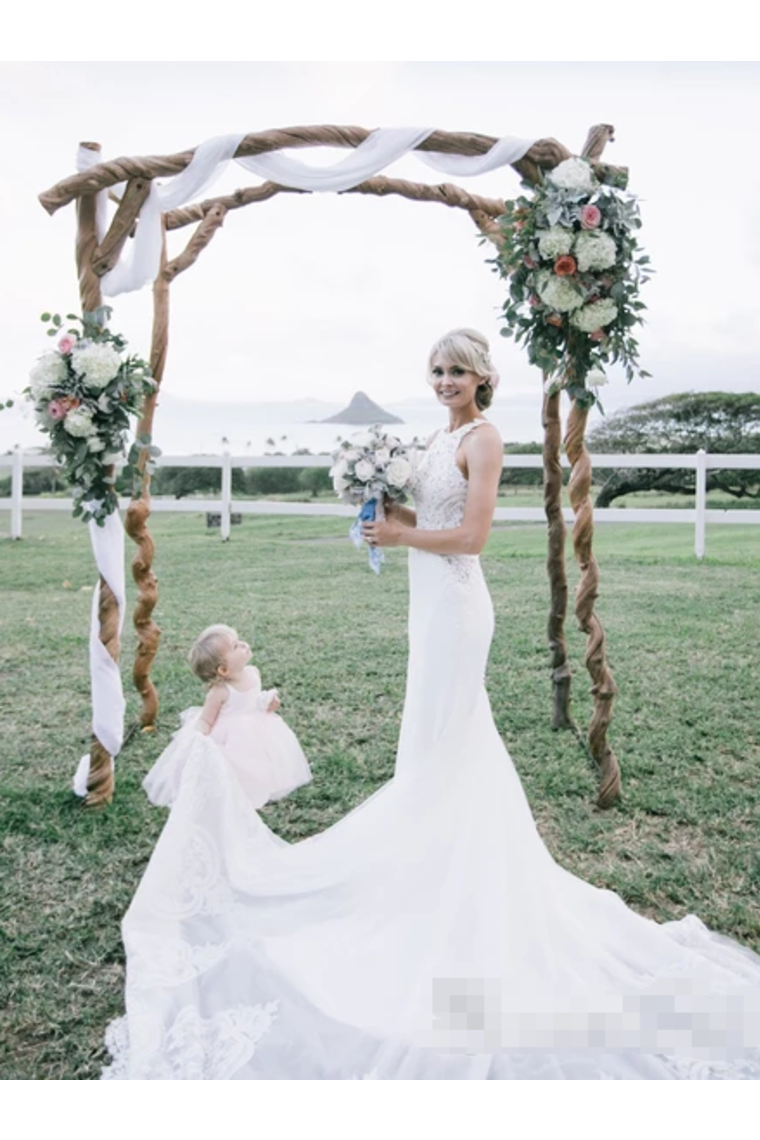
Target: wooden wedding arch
[(96, 257)]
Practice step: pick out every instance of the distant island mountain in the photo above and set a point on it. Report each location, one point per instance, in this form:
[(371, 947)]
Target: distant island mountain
[(361, 411)]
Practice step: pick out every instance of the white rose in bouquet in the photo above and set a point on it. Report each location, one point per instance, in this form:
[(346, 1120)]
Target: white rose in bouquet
[(94, 444), (382, 455), (339, 469), (364, 470), (596, 380), (399, 472), (97, 364)]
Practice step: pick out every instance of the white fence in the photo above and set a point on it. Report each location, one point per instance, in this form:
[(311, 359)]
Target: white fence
[(698, 516)]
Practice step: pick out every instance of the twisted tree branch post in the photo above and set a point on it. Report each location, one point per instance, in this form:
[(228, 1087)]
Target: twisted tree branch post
[(107, 253), (100, 781), (136, 523), (603, 686), (555, 560), (202, 235)]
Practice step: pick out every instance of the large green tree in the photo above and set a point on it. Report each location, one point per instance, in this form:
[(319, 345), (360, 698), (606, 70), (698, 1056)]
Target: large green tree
[(719, 422)]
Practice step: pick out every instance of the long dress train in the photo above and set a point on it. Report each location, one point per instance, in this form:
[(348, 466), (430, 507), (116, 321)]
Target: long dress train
[(428, 934)]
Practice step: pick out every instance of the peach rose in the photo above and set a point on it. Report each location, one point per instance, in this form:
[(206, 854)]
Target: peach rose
[(565, 266), (598, 334), (554, 319), (591, 216)]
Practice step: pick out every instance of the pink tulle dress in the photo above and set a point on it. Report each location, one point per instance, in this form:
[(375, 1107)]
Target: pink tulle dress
[(262, 751)]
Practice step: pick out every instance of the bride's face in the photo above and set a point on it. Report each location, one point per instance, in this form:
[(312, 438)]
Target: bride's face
[(454, 386)]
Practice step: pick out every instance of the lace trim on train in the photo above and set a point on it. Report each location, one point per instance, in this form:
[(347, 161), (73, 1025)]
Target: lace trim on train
[(194, 1048)]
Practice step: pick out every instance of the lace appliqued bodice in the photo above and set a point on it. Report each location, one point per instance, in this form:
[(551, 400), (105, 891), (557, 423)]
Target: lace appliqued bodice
[(440, 491)]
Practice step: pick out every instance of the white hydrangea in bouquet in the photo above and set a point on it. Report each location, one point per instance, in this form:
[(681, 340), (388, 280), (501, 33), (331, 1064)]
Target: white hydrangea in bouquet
[(368, 468), (574, 264), (85, 393)]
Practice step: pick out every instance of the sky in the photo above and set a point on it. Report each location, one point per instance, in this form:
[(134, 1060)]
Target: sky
[(321, 295)]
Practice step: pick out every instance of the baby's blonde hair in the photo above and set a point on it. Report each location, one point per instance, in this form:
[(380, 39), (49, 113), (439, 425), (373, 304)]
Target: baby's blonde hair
[(208, 652)]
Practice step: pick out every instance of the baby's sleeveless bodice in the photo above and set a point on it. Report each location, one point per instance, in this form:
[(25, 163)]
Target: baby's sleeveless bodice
[(239, 702), (438, 486)]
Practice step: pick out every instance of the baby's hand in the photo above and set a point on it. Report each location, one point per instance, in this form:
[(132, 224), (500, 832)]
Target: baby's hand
[(274, 704)]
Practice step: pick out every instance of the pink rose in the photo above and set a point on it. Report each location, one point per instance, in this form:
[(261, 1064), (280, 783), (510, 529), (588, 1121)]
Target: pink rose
[(529, 262), (591, 216), (57, 409), (66, 343), (534, 301)]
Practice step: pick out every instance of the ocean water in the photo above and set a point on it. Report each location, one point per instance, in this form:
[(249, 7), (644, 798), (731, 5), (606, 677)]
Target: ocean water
[(186, 427)]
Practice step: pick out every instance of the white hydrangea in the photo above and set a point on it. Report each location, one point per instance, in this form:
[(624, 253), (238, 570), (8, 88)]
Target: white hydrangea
[(594, 316), (557, 292), (596, 380), (555, 242), (594, 250), (78, 422), (49, 372), (97, 364), (573, 174)]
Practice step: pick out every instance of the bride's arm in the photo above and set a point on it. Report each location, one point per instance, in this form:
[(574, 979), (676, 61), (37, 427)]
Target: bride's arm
[(406, 516), (484, 458)]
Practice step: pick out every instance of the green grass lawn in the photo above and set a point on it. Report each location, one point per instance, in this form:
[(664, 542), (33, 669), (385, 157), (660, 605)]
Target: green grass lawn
[(683, 645)]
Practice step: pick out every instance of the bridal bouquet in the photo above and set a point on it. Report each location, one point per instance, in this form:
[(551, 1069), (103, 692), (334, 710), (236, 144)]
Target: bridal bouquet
[(575, 266), (368, 467), (84, 393)]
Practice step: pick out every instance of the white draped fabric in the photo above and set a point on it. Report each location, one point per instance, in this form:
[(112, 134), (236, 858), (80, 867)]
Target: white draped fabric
[(105, 677), (139, 263), (428, 935)]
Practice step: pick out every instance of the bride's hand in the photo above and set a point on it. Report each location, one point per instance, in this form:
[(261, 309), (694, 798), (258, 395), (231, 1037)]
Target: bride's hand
[(382, 533)]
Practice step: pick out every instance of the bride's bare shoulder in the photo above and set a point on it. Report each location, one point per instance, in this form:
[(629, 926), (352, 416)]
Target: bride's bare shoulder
[(487, 437)]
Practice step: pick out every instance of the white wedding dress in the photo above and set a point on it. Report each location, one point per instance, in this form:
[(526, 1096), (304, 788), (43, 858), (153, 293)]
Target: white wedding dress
[(428, 934)]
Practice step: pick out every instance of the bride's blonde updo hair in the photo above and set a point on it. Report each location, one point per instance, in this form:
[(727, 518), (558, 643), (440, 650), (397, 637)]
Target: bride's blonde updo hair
[(470, 350)]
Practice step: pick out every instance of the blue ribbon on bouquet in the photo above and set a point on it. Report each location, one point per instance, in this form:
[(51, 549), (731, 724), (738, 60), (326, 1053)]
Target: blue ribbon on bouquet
[(367, 514)]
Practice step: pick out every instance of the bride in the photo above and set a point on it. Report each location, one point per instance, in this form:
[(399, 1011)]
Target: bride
[(428, 934)]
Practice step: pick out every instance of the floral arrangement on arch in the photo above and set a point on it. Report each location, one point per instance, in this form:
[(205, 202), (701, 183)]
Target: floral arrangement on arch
[(84, 393), (575, 267)]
